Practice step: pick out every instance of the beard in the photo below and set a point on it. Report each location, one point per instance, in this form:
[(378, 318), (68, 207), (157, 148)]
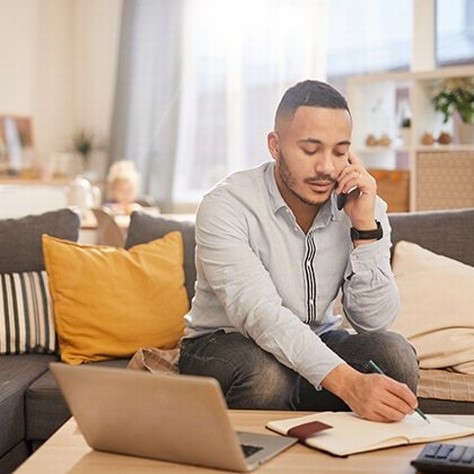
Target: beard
[(290, 183)]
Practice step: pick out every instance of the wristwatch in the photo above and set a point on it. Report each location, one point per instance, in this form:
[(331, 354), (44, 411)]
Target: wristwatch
[(367, 234)]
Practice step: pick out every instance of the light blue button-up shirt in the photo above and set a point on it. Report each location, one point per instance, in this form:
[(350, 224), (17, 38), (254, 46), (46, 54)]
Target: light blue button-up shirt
[(258, 273)]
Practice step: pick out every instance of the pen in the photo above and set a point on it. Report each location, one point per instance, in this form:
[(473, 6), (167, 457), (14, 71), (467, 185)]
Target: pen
[(375, 368)]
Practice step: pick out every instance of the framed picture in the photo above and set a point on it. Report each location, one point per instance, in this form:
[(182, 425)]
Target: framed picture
[(16, 144)]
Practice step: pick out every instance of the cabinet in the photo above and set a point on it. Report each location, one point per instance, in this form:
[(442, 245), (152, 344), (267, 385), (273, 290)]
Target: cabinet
[(376, 103), (445, 179), (19, 198)]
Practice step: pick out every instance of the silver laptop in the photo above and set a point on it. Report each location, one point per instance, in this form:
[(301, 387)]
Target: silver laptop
[(178, 418)]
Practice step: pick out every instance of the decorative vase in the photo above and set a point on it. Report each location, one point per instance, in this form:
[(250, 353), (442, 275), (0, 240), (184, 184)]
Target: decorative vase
[(465, 133), (80, 193)]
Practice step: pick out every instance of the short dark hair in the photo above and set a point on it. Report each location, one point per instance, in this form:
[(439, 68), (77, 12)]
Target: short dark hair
[(310, 93)]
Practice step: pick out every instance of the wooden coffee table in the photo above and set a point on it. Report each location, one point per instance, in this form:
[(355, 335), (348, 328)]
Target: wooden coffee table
[(67, 452)]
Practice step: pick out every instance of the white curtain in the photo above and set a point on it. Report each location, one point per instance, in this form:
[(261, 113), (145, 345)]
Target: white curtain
[(199, 82)]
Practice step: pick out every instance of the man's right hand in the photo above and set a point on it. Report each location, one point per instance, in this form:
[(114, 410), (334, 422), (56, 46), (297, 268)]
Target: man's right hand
[(372, 396)]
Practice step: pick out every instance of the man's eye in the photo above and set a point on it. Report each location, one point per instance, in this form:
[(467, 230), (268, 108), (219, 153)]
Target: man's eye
[(310, 151)]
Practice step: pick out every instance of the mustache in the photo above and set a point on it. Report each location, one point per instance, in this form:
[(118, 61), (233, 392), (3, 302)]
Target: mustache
[(327, 178)]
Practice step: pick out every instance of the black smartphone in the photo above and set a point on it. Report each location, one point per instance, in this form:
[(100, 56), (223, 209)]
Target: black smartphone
[(341, 200)]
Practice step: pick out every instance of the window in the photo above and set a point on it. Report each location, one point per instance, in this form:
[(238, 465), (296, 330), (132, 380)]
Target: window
[(454, 32), (238, 58), (367, 36)]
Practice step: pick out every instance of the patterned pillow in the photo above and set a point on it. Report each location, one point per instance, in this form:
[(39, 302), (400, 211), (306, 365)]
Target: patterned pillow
[(26, 320)]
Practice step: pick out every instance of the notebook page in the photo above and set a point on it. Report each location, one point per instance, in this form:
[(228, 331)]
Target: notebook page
[(351, 434)]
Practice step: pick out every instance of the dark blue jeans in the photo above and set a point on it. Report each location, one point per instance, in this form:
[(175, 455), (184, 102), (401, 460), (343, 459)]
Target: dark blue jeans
[(252, 378)]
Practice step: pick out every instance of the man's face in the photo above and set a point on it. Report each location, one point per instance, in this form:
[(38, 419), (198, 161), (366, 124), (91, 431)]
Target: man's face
[(310, 151)]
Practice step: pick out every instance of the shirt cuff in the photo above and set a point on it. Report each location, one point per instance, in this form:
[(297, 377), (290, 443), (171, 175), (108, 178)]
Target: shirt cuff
[(374, 255)]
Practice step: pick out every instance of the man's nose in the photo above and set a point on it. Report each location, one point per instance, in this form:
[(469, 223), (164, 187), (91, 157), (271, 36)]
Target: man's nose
[(324, 163)]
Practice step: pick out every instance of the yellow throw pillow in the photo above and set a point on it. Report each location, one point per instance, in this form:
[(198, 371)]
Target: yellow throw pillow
[(109, 302)]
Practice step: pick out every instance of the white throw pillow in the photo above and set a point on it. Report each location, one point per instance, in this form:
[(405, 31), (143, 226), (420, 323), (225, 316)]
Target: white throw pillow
[(437, 307)]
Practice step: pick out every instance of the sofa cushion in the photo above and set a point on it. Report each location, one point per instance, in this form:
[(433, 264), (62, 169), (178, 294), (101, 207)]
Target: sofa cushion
[(116, 300), (14, 458), (144, 227), (17, 372), (436, 313), (443, 232), (445, 385), (27, 322), (46, 409), (21, 249), (445, 392)]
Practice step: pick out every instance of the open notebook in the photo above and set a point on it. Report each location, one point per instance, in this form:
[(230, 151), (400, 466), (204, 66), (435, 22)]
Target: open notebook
[(344, 433)]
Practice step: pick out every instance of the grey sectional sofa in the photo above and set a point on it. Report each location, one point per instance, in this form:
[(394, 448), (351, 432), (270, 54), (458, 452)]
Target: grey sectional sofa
[(31, 406), (27, 413)]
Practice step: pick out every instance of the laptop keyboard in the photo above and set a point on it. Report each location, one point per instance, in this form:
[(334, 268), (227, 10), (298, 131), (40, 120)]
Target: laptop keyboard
[(249, 449)]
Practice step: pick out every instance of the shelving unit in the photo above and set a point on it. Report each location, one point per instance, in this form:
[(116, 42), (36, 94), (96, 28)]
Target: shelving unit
[(374, 101)]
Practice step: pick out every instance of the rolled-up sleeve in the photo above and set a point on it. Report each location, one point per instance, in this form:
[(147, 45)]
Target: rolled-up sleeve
[(370, 297)]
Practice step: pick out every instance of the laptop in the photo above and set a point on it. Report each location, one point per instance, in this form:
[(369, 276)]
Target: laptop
[(177, 418)]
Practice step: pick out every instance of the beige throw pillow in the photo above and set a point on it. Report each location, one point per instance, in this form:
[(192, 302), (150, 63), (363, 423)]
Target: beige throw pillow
[(437, 307)]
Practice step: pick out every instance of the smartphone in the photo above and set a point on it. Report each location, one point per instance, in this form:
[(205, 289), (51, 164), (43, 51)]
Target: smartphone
[(341, 200)]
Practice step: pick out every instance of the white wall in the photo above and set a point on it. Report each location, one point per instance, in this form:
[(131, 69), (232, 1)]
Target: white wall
[(57, 64)]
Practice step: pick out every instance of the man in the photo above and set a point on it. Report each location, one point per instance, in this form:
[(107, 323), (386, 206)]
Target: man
[(273, 250)]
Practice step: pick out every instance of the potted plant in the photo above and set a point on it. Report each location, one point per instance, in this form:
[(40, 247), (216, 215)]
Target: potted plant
[(83, 142), (456, 95)]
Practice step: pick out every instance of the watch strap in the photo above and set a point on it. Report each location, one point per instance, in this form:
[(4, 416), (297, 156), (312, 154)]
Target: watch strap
[(377, 233)]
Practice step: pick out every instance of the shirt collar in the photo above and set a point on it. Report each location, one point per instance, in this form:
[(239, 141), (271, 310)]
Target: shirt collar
[(276, 200)]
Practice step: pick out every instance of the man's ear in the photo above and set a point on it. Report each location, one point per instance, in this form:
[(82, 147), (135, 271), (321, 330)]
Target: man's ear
[(273, 145)]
